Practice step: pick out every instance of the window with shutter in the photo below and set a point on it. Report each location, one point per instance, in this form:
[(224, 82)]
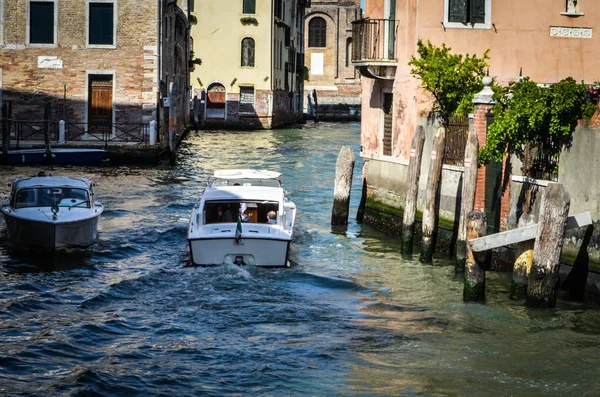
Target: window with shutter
[(477, 11), (41, 22), (249, 7), (457, 11), (101, 23), (467, 14), (246, 99)]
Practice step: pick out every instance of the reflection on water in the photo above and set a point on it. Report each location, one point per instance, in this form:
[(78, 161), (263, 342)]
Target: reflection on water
[(352, 317)]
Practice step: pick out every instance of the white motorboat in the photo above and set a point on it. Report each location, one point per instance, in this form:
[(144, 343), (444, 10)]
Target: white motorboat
[(52, 212), (242, 218)]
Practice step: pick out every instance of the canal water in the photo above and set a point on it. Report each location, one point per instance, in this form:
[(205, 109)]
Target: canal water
[(349, 318)]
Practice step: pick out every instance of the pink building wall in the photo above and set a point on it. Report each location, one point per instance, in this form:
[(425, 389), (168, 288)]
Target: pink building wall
[(519, 38)]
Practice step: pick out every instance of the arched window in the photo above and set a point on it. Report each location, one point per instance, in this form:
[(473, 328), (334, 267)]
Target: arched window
[(317, 32), (248, 52)]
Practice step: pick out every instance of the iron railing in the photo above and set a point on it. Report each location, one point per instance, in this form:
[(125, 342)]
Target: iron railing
[(374, 40), (115, 132), (456, 141), (21, 130)]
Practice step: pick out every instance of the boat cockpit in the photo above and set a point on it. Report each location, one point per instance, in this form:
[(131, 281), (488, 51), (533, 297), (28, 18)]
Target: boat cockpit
[(51, 196), (248, 211)]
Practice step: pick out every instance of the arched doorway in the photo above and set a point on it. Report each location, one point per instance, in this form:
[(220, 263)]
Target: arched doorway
[(215, 101)]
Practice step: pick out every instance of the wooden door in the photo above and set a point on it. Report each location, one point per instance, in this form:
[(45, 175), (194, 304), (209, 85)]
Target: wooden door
[(100, 103), (216, 99)]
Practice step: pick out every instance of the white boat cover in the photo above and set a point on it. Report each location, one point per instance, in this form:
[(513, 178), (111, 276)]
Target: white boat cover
[(53, 181), (247, 174)]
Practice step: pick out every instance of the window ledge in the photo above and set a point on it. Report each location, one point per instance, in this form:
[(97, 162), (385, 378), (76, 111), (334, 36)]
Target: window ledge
[(459, 25), (102, 46), (572, 14), (36, 45)]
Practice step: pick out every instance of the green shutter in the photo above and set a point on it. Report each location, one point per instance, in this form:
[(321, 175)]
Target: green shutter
[(477, 11), (457, 11), (249, 7)]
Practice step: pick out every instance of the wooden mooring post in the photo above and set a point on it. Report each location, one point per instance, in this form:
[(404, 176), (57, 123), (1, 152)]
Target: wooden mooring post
[(474, 287), (469, 183), (344, 170), (47, 112), (544, 278), (433, 186), (412, 190), (5, 133), (523, 261)]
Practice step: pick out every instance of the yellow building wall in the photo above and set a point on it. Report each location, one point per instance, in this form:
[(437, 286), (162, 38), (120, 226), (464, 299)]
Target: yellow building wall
[(217, 41)]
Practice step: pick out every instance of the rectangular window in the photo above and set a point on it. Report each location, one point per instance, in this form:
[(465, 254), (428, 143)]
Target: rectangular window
[(249, 7), (467, 14), (101, 24), (246, 99), (41, 22), (287, 36)]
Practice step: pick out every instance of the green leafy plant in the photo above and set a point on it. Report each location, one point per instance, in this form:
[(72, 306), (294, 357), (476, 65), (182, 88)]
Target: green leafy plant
[(249, 21), (451, 79), (529, 118), (193, 60)]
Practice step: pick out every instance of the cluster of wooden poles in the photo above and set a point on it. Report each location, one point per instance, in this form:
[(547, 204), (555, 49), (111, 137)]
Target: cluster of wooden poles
[(536, 270)]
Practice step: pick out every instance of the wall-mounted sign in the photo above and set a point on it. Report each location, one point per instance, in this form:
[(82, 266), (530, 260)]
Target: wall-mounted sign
[(45, 62)]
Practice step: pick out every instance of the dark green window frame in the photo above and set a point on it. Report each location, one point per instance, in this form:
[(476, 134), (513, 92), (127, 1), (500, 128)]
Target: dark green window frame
[(101, 23), (466, 11), (41, 22), (249, 7)]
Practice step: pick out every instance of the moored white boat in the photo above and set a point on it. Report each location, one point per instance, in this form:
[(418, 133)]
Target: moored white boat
[(242, 218), (51, 212)]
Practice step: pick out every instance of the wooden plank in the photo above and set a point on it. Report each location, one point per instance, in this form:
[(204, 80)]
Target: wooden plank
[(523, 234)]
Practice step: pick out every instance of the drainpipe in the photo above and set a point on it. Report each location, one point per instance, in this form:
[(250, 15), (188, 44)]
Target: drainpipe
[(158, 52)]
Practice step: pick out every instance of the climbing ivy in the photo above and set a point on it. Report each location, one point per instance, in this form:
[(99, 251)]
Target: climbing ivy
[(452, 79), (528, 117)]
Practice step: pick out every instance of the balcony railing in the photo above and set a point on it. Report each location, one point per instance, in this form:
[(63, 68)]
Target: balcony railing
[(374, 41)]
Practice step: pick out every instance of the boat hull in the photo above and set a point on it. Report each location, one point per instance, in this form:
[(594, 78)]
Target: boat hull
[(263, 252), (59, 156), (51, 235)]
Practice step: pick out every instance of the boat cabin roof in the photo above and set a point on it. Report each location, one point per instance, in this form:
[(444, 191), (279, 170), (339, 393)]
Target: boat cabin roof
[(246, 177), (52, 181), (243, 193)]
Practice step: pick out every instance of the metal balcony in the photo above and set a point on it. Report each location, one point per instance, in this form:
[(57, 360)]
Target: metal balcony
[(374, 47)]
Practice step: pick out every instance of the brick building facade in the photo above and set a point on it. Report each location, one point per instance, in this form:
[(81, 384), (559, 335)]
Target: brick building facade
[(92, 61), (328, 44)]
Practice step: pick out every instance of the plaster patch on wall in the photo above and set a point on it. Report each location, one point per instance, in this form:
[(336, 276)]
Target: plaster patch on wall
[(316, 64), (49, 62), (565, 31)]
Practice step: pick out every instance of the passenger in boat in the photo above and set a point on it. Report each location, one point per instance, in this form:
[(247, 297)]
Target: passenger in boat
[(224, 215), (272, 217), (244, 217)]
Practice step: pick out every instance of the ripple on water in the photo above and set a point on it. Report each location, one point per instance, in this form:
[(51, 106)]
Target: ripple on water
[(351, 317)]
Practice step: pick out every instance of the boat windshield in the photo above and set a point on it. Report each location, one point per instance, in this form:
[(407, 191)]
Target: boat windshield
[(252, 212), (49, 196), (246, 182)]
